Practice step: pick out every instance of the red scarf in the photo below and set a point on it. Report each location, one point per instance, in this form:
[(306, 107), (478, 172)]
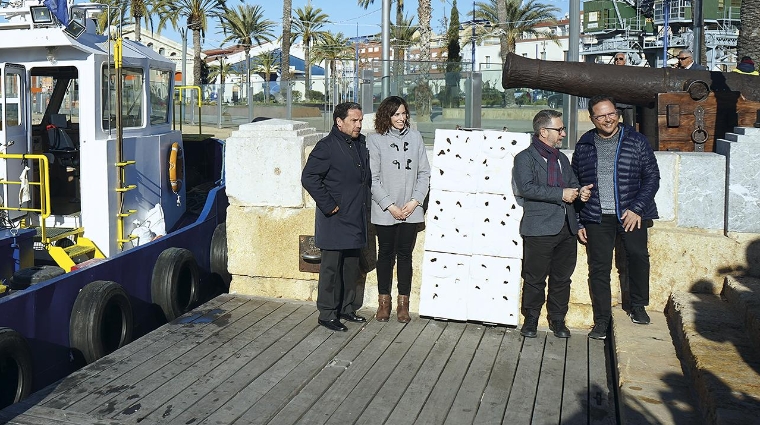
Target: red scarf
[(554, 172)]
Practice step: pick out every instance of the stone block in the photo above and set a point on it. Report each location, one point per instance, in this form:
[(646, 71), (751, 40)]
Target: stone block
[(263, 162), (742, 155), (263, 241), (666, 195), (701, 190)]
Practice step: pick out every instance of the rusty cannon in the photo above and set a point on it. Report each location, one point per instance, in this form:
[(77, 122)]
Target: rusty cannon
[(677, 109)]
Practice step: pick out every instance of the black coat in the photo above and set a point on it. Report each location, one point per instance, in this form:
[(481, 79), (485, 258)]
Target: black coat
[(336, 174)]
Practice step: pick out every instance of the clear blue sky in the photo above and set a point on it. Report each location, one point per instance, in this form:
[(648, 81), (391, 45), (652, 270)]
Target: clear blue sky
[(348, 17)]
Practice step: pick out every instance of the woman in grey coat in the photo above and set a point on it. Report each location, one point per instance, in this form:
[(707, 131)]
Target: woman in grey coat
[(400, 182)]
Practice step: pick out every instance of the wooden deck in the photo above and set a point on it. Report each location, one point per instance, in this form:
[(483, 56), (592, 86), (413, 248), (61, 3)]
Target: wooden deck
[(240, 360)]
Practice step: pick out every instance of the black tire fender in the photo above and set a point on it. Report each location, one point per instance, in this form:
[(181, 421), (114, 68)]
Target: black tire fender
[(15, 367), (101, 321), (175, 284), (218, 254)]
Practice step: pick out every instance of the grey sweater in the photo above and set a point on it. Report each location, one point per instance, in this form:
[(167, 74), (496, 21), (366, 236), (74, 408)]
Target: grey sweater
[(400, 172)]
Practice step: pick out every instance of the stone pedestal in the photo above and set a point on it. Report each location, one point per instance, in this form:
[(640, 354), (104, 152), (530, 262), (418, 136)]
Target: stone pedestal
[(742, 156)]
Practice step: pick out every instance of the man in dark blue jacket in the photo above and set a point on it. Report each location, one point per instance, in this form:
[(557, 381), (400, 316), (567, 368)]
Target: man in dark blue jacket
[(337, 176), (621, 165)]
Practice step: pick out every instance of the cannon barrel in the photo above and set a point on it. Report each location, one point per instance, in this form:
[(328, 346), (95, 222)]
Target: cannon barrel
[(627, 84)]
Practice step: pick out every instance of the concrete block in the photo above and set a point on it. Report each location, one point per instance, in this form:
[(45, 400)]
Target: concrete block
[(270, 154), (701, 190), (666, 195), (743, 176), (453, 165)]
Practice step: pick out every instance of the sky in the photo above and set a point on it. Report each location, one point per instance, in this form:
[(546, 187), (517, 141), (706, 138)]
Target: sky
[(348, 17)]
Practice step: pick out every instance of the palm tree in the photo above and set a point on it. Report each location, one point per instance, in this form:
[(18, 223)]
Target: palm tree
[(246, 25), (331, 49), (222, 70), (196, 14), (401, 40), (749, 33), (422, 93), (520, 19), (308, 27), (139, 11), (511, 20), (265, 64)]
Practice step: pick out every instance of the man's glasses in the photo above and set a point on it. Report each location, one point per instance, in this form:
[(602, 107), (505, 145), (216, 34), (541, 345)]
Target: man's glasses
[(558, 130), (619, 59), (683, 58), (611, 115)]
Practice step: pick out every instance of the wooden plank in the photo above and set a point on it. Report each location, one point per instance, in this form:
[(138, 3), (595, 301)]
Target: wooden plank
[(418, 391), (248, 378), (226, 352), (344, 385), (496, 394), (323, 381), (108, 396), (601, 397), (377, 376), (18, 415), (449, 383), (381, 404), (549, 393), (265, 408), (523, 394), (80, 383), (464, 407), (575, 387)]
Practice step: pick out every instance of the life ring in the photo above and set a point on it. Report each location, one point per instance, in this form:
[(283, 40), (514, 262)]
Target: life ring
[(15, 367), (218, 255), (175, 284), (176, 172), (101, 321)]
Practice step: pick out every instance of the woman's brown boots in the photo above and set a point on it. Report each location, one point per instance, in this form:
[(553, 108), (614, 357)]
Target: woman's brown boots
[(402, 309), (383, 308)]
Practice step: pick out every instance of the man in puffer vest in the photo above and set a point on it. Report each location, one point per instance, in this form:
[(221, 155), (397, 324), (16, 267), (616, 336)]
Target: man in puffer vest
[(621, 165)]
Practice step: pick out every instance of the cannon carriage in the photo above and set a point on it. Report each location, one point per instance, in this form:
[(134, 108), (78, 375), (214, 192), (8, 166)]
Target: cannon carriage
[(678, 110)]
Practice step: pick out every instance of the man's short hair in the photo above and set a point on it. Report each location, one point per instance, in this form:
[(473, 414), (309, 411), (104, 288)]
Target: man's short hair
[(597, 99), (341, 110), (544, 119), (686, 52)]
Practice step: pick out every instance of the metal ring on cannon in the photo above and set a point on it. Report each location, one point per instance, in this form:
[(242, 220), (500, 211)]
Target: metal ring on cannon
[(697, 89)]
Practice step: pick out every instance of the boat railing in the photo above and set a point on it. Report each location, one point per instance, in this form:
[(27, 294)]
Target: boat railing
[(43, 184), (180, 90)]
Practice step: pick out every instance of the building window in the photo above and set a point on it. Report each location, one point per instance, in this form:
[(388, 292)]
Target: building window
[(488, 62)]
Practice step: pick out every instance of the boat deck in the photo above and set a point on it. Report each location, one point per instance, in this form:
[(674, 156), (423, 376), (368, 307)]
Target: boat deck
[(246, 360)]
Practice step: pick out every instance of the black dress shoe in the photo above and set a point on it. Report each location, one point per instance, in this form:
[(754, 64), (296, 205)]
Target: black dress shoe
[(353, 317), (333, 325), (559, 328), (530, 327)]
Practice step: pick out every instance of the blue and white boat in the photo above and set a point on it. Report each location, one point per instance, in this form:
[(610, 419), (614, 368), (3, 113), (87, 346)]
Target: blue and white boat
[(111, 223)]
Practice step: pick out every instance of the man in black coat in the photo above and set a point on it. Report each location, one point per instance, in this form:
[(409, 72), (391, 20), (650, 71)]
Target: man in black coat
[(337, 176)]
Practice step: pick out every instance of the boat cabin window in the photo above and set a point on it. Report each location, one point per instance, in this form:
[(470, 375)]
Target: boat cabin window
[(55, 91), (12, 85), (160, 88), (131, 98)]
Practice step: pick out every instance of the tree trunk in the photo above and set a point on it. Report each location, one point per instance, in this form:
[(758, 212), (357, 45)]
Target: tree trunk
[(748, 43), (138, 32), (422, 93), (196, 56), (307, 62), (287, 5)]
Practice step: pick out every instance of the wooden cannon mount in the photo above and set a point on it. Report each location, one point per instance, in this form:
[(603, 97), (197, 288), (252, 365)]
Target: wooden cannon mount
[(677, 109)]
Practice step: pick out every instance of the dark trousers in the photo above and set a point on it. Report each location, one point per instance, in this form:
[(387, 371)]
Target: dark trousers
[(601, 241), (552, 256), (396, 241), (338, 273)]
